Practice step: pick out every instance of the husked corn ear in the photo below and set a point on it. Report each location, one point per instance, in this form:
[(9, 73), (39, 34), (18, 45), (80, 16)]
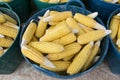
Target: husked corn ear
[(68, 58), (87, 21), (93, 15), (44, 0), (80, 59), (28, 34), (92, 36), (8, 31), (34, 39), (47, 47), (36, 56), (114, 24), (54, 1), (67, 39), (1, 51), (42, 26), (92, 55), (70, 49), (85, 28), (53, 23), (9, 24), (5, 42), (10, 19), (60, 66), (59, 31), (74, 25), (63, 1), (59, 16), (54, 12), (2, 19)]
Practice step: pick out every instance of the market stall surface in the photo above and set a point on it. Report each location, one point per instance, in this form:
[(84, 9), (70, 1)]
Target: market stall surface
[(26, 72)]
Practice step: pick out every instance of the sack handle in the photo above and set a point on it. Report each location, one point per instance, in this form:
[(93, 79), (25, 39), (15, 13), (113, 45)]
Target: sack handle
[(5, 5), (76, 3)]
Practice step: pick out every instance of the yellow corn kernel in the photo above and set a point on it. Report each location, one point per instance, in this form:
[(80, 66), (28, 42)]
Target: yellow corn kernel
[(44, 0), (36, 56), (5, 42), (85, 28), (80, 59), (67, 39), (8, 31), (54, 12), (34, 39), (29, 32), (53, 23), (92, 55), (59, 16), (47, 47), (92, 36), (87, 21), (60, 66), (2, 19), (68, 58), (70, 49), (1, 51), (114, 25), (42, 26), (74, 26), (54, 1), (9, 24), (59, 31), (9, 18), (93, 15), (63, 1)]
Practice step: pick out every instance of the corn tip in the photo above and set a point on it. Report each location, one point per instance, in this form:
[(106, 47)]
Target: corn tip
[(97, 43), (91, 43), (99, 26), (118, 14), (48, 63), (1, 48), (2, 36), (93, 15), (24, 42), (108, 32), (118, 42), (47, 13), (47, 19)]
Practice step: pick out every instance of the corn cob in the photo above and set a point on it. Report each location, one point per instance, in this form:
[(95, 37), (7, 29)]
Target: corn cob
[(2, 19), (63, 1), (1, 51), (59, 31), (59, 16), (8, 31), (54, 12), (60, 66), (74, 25), (114, 27), (92, 36), (54, 1), (80, 59), (28, 34), (9, 24), (53, 23), (47, 47), (67, 39), (68, 58), (70, 49), (42, 26), (2, 36), (93, 15), (85, 28), (92, 55), (87, 21), (10, 19), (5, 42), (36, 56), (44, 0)]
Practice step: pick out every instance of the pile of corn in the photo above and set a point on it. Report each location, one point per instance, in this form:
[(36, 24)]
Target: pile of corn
[(8, 32), (115, 27), (62, 41), (113, 1), (54, 1)]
